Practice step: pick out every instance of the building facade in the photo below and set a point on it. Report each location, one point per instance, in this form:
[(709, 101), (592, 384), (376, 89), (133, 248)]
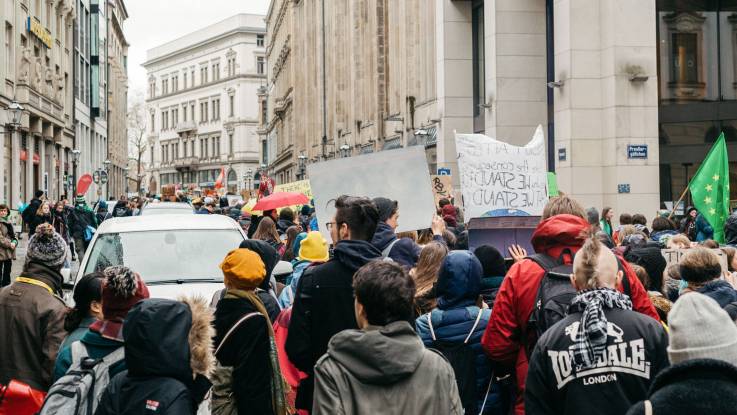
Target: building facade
[(91, 91), (202, 106), (36, 71), (631, 93), (117, 74)]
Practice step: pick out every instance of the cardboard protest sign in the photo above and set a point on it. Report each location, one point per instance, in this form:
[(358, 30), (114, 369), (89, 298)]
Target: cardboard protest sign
[(301, 186), (400, 174), (674, 256), (234, 199), (442, 187), (499, 179)]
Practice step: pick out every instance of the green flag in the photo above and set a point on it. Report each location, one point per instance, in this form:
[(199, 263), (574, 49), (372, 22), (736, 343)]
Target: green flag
[(710, 188)]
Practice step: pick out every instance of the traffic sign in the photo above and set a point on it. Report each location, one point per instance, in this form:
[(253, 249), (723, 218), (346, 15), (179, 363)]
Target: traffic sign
[(103, 176), (444, 172), (96, 176)]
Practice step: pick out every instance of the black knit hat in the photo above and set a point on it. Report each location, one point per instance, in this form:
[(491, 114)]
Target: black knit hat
[(492, 261), (386, 208)]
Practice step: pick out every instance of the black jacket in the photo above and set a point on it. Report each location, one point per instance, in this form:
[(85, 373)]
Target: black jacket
[(247, 351), (720, 291), (699, 386), (323, 306), (78, 220), (157, 355), (636, 354), (37, 220), (282, 225)]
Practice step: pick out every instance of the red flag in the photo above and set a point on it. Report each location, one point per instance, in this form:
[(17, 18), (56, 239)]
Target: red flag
[(84, 183), (221, 179)]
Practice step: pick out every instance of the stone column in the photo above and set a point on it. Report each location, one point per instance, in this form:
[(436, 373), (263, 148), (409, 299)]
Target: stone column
[(599, 111), (515, 69), (42, 165), (15, 185), (30, 148), (60, 178), (454, 80)]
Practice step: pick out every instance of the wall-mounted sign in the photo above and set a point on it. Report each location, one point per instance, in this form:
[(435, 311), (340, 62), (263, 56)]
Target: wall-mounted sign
[(562, 154), (443, 172), (637, 151), (35, 27), (623, 188)]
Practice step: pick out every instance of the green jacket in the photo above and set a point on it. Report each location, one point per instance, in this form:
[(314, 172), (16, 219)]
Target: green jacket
[(97, 348)]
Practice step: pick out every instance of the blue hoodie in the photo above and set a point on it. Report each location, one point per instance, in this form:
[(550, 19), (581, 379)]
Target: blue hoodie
[(286, 298), (458, 288)]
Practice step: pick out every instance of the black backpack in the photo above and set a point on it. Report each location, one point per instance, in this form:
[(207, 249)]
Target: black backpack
[(463, 361), (555, 294)]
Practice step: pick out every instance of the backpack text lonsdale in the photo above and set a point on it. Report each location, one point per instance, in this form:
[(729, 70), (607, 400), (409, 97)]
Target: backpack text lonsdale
[(79, 391), (555, 294)]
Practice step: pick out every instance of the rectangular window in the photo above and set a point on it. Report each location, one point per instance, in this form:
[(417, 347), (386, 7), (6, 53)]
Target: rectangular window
[(152, 155), (260, 40), (184, 80), (152, 122), (8, 52), (260, 65), (232, 104), (230, 144), (191, 111), (192, 78), (184, 113), (215, 71), (216, 109), (478, 63), (206, 118), (684, 58)]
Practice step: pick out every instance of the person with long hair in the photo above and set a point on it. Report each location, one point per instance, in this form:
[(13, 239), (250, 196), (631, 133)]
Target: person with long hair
[(266, 232), (59, 221), (606, 220), (43, 215), (287, 249), (87, 307), (425, 275)]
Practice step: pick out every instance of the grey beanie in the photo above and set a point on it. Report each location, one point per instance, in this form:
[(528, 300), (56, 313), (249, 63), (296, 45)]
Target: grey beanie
[(46, 247), (700, 329)]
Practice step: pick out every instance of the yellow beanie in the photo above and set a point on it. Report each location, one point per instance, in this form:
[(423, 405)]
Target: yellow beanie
[(314, 248), (243, 269)]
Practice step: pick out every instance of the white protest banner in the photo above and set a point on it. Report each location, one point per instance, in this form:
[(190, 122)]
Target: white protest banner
[(674, 256), (499, 179), (400, 175)]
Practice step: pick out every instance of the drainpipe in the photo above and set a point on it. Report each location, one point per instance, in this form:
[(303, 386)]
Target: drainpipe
[(550, 56)]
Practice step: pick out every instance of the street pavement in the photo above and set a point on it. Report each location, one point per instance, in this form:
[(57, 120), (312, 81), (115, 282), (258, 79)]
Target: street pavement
[(20, 253)]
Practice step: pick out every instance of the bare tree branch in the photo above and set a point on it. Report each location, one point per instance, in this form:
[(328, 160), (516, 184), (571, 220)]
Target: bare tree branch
[(137, 134)]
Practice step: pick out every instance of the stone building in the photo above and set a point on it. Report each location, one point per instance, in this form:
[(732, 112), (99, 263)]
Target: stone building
[(631, 93), (36, 71), (203, 107), (117, 69)]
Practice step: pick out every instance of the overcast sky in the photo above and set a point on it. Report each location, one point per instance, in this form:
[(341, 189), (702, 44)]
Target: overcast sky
[(154, 22)]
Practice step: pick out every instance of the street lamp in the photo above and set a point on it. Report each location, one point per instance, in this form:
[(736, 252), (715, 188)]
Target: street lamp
[(75, 159), (16, 112), (345, 150), (302, 162), (107, 173)]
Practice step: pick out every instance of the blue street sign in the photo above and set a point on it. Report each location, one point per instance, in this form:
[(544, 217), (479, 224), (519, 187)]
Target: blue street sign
[(562, 154), (443, 172), (637, 151)]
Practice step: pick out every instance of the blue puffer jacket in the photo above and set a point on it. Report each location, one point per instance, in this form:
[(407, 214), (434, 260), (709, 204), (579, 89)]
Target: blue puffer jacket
[(704, 230), (458, 288)]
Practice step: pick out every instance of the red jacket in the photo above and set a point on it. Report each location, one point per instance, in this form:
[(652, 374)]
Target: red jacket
[(516, 297)]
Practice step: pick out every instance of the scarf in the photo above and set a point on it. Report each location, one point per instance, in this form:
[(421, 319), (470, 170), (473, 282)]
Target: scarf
[(591, 339), (278, 385)]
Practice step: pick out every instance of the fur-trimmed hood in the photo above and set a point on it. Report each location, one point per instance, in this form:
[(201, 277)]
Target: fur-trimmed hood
[(201, 334), (168, 338)]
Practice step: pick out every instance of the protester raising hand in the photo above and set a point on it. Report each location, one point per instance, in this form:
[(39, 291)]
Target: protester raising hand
[(438, 225), (518, 253)]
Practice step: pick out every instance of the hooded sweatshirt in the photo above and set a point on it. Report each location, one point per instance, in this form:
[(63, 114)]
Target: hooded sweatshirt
[(384, 370), (323, 307), (167, 343), (720, 291)]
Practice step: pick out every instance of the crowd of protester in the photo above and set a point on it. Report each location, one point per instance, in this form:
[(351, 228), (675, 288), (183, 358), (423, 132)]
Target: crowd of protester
[(593, 321)]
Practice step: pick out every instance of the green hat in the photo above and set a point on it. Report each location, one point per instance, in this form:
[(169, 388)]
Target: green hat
[(79, 200)]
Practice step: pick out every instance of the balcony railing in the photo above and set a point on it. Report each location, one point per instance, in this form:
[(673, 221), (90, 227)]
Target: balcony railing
[(186, 126)]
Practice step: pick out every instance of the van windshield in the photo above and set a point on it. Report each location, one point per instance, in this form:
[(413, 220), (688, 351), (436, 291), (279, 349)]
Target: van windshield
[(163, 256)]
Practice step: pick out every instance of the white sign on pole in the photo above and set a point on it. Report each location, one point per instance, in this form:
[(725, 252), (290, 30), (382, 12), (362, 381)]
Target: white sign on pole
[(400, 175), (500, 179)]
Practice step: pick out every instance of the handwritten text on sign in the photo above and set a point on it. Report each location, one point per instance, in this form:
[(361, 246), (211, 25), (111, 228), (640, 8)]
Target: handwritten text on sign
[(499, 179), (442, 188), (674, 256)]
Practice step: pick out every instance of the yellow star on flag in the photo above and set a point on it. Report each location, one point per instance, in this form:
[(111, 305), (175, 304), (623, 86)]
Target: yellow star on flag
[(707, 200), (715, 177), (712, 211), (708, 188)]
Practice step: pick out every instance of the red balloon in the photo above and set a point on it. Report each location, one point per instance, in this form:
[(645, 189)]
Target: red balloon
[(84, 183)]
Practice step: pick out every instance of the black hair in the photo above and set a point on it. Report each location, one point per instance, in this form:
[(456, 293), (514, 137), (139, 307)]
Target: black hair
[(385, 291), (461, 241), (87, 290), (639, 219), (442, 202), (360, 214), (39, 193), (286, 214), (662, 224), (625, 219), (492, 261)]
